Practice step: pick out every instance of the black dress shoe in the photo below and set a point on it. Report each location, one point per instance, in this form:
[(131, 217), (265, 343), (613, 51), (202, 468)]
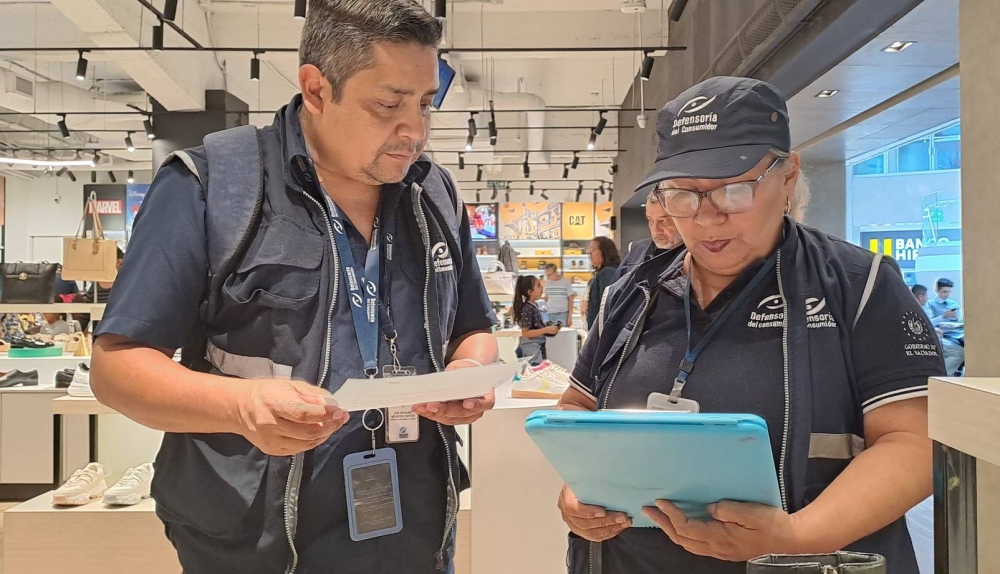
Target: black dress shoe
[(64, 378), (14, 378), (28, 343)]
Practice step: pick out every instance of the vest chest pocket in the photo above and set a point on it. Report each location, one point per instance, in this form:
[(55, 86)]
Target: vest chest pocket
[(281, 268)]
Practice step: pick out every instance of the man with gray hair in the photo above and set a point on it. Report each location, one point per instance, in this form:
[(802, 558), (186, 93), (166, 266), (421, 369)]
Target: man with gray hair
[(663, 235), (284, 261)]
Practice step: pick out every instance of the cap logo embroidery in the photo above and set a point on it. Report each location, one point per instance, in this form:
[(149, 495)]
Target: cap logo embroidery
[(697, 104)]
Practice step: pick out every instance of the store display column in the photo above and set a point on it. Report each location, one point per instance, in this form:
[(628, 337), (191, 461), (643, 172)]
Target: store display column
[(179, 130)]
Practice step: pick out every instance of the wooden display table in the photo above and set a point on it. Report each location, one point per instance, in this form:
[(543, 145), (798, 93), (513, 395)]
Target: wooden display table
[(91, 539)]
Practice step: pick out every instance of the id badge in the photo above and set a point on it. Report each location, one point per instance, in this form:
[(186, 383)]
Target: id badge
[(373, 505), (663, 402), (402, 425)]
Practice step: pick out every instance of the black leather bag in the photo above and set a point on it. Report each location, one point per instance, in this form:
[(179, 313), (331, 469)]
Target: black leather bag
[(29, 282), (837, 563)]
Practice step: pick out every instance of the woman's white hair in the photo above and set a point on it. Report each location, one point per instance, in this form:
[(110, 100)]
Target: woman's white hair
[(802, 193)]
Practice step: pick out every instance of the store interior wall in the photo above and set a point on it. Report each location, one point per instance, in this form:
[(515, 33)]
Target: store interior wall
[(36, 222), (827, 209)]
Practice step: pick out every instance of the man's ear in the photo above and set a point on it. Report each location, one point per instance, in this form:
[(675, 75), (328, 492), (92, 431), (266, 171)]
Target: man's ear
[(315, 88)]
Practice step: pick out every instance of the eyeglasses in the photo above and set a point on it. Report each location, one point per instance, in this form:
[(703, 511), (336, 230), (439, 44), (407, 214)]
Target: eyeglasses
[(732, 198)]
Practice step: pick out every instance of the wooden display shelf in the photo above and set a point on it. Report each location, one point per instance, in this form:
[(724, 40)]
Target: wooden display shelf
[(90, 539), (95, 310), (84, 406)]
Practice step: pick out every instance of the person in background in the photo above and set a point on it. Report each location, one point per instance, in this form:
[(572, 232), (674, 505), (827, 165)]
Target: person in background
[(65, 291), (559, 296), (526, 314), (55, 324), (605, 259), (104, 289), (946, 316), (920, 294), (663, 236)]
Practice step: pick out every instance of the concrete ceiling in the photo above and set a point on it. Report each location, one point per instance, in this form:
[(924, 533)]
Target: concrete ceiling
[(178, 80), (870, 77)]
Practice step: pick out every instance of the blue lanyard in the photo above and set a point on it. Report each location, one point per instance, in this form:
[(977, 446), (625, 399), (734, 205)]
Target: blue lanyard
[(363, 287), (687, 365)]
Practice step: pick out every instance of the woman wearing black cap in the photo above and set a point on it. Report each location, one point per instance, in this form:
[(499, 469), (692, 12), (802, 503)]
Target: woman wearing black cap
[(770, 317)]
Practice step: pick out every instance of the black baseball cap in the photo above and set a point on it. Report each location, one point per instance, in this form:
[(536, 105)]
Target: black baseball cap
[(720, 128)]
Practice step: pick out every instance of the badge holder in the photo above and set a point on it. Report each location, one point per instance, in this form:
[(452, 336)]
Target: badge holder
[(371, 479), (662, 402), (402, 424)]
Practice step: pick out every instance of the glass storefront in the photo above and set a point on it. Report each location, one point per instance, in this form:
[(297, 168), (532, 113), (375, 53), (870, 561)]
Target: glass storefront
[(905, 201)]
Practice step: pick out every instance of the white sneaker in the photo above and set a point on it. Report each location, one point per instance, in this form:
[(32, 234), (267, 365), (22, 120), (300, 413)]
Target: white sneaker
[(546, 381), (86, 484), (133, 488), (80, 386)]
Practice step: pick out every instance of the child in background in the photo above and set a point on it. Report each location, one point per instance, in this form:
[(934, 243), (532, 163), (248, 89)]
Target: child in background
[(526, 314)]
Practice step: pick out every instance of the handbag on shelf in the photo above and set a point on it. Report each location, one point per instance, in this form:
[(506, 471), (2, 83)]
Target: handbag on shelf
[(29, 282), (93, 259), (836, 563), (498, 280)]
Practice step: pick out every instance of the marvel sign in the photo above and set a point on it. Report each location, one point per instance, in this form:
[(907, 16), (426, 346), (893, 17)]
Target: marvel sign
[(110, 207)]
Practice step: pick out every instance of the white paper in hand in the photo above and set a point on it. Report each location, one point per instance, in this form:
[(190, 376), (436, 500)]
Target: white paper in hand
[(363, 394)]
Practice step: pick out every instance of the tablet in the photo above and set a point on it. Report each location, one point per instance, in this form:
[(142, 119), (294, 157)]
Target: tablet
[(626, 460)]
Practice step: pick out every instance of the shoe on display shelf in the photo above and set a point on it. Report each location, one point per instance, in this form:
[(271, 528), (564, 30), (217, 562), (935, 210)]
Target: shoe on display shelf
[(80, 386), (88, 483), (64, 378), (15, 378), (133, 488), (545, 381)]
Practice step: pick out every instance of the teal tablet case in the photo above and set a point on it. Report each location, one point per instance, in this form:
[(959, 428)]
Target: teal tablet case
[(627, 460)]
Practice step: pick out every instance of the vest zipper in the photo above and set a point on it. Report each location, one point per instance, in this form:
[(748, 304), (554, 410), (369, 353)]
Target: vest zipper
[(784, 357), (452, 496), (628, 343), (294, 470)]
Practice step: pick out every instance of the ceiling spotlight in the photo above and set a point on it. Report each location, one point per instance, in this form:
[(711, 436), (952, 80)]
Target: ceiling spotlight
[(93, 177), (506, 196), (62, 172), (461, 160), (676, 10), (579, 192), (147, 124), (131, 177), (565, 171), (81, 67), (63, 128), (71, 176), (158, 37), (255, 68), (300, 9), (94, 159), (527, 169), (647, 67), (614, 169), (170, 10), (111, 176), (897, 47), (469, 141), (477, 197), (593, 139), (576, 161), (827, 93), (479, 173), (473, 131), (545, 197), (128, 142), (494, 196), (493, 132), (600, 124), (531, 188)]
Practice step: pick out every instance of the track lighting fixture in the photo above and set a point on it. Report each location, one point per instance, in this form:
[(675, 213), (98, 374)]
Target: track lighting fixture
[(131, 177), (158, 37), (527, 168), (81, 67), (601, 123), (461, 160), (473, 131), (595, 196), (469, 141), (63, 128), (676, 10), (147, 124), (545, 197), (579, 192), (576, 161), (494, 196), (477, 197), (128, 142), (493, 132), (647, 67), (93, 177), (531, 188), (111, 176), (255, 67), (565, 171), (170, 10), (94, 160), (71, 176), (62, 171), (593, 140), (506, 196), (300, 9), (479, 173)]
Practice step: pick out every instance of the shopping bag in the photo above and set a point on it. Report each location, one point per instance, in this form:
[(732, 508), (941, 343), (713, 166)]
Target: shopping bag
[(94, 259), (498, 280)]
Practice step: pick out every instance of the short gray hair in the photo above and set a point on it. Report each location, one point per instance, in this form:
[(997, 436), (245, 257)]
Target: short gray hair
[(339, 35), (802, 193)]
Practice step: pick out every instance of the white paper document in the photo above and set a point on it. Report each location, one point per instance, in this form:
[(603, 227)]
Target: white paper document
[(363, 394)]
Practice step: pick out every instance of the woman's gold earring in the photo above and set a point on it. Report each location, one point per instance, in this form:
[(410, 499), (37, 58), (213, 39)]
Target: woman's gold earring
[(788, 207)]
